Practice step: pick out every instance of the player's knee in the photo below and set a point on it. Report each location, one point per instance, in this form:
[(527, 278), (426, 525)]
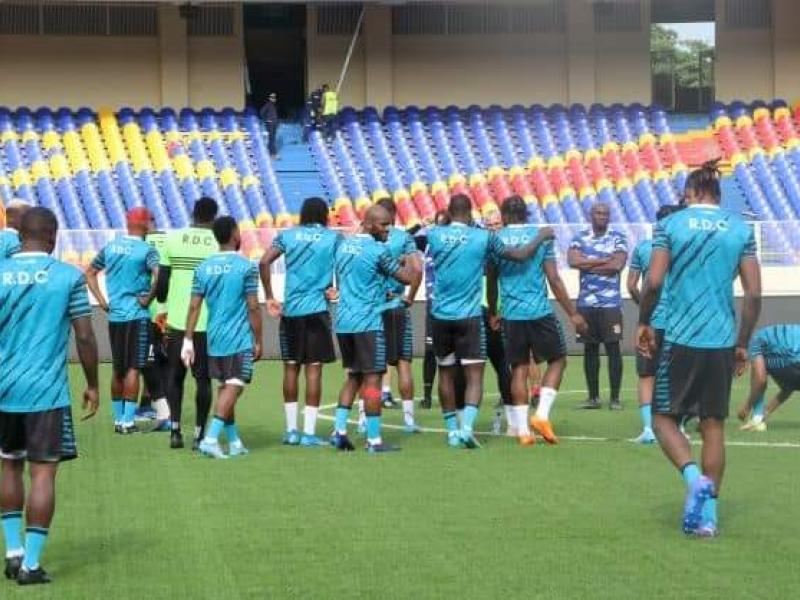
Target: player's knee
[(371, 395)]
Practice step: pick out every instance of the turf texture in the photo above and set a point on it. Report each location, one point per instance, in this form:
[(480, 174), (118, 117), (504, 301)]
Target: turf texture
[(586, 519)]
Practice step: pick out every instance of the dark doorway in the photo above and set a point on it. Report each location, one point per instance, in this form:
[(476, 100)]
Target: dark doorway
[(275, 48)]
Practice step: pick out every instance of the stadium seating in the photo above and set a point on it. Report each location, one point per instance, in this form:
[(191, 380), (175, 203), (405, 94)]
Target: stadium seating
[(559, 159)]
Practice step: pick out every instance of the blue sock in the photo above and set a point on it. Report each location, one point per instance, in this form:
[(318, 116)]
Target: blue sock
[(341, 419), (232, 432), (710, 510), (758, 407), (690, 472), (118, 410), (450, 421), (373, 427), (216, 427), (470, 414), (647, 416), (12, 528), (128, 411), (35, 537)]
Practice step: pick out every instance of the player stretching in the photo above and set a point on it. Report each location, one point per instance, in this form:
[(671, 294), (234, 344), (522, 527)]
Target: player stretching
[(39, 299), (460, 253), (228, 283), (363, 262), (775, 352), (9, 235), (530, 328), (701, 250), (182, 252), (131, 268), (305, 327), (397, 324), (646, 366)]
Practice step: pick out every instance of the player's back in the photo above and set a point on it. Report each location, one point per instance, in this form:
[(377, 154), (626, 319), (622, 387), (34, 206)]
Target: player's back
[(523, 285), (308, 253), (459, 253), (224, 280), (9, 243), (127, 262), (778, 344), (183, 251), (362, 263), (38, 298), (706, 245)]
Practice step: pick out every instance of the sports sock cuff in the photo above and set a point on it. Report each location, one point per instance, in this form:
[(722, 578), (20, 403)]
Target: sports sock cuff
[(39, 530), (12, 514), (342, 406), (687, 465)]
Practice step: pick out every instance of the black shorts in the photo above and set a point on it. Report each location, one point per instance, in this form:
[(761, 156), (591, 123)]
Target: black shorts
[(399, 338), (175, 345), (604, 325), (236, 369), (647, 367), (130, 344), (693, 382), (363, 353), (46, 436), (460, 340), (307, 340), (787, 378), (156, 350), (541, 338)]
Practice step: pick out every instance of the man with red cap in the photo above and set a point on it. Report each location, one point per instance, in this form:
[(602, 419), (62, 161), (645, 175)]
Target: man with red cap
[(131, 268)]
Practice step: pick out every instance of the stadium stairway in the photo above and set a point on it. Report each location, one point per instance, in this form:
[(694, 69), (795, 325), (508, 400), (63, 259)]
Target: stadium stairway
[(296, 171)]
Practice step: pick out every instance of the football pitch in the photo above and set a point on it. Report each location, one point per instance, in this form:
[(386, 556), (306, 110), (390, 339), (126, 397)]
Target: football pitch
[(595, 517)]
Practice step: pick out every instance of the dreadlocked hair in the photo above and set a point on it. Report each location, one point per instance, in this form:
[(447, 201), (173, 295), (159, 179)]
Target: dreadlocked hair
[(705, 180)]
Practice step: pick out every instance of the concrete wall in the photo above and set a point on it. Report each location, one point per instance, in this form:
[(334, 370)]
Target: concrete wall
[(170, 69), (580, 65)]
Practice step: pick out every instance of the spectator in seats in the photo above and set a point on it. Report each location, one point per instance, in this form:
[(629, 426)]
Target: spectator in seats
[(269, 114), (330, 109)]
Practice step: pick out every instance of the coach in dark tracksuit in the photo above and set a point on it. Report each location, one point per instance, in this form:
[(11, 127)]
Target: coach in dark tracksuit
[(269, 114)]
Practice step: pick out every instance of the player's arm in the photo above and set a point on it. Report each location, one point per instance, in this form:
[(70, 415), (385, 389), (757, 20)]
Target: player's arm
[(407, 272), (758, 385), (416, 263), (86, 345), (750, 275), (659, 265), (91, 273), (93, 284), (254, 316), (152, 265), (264, 268), (632, 283), (577, 260), (610, 266), (524, 252), (562, 296), (164, 272)]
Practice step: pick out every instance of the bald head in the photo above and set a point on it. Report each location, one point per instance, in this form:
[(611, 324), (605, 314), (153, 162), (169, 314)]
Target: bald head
[(38, 230), (377, 221), (15, 210)]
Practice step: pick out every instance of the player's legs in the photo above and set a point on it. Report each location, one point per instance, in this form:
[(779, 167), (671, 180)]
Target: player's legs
[(291, 375), (551, 382), (223, 421), (347, 395), (447, 400), (777, 401), (117, 398), (520, 400), (535, 381), (203, 394), (176, 375), (155, 378), (313, 375), (130, 392), (614, 354), (39, 509), (591, 370), (517, 348), (371, 396), (645, 388), (405, 384), (12, 500), (429, 363)]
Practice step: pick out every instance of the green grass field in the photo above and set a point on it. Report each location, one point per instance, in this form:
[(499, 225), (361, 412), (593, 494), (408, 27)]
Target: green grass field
[(586, 519)]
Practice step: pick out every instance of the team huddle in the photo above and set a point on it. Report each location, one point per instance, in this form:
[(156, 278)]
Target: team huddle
[(188, 301)]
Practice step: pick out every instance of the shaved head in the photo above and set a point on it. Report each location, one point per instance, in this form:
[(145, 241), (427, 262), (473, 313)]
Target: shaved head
[(15, 210), (460, 208), (377, 221)]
